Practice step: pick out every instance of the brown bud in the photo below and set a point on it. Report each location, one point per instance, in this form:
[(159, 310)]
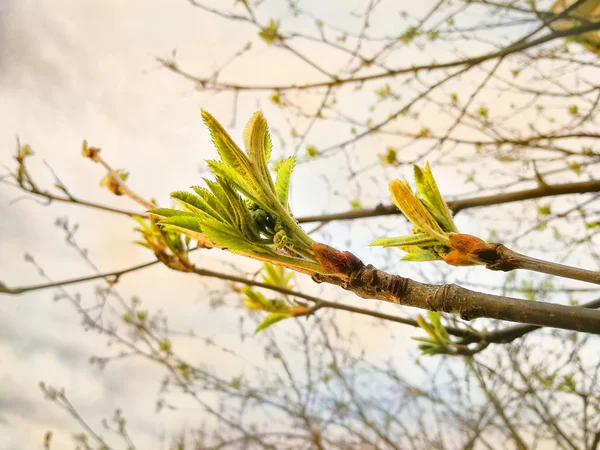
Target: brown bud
[(456, 258), (466, 243), (90, 152), (298, 311), (335, 261)]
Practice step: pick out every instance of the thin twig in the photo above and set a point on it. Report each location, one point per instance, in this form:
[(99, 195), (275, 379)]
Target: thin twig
[(467, 203), (506, 259)]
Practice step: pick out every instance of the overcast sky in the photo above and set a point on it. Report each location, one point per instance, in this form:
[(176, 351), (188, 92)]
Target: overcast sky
[(73, 70)]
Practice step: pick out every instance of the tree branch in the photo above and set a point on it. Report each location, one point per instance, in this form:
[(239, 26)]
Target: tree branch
[(505, 259), (115, 274), (467, 335), (509, 334), (372, 283), (467, 62), (473, 202)]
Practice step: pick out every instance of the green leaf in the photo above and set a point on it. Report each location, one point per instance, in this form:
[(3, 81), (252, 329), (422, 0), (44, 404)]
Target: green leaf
[(434, 202), (227, 237), (390, 157), (258, 145), (273, 275), (218, 201), (249, 186), (185, 222), (270, 33), (276, 276), (282, 186), (212, 204), (240, 214), (426, 340), (169, 212), (421, 256), (190, 202), (428, 328), (413, 239), (270, 320), (544, 210), (440, 330), (255, 300), (575, 167), (312, 151), (188, 225), (236, 167), (415, 211)]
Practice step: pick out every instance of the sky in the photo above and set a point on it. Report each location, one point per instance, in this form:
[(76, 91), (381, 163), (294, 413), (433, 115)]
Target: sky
[(72, 70)]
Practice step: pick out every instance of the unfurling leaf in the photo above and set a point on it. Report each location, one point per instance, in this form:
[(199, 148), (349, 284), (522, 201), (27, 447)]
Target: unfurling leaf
[(283, 180), (430, 194), (312, 151), (413, 239), (270, 33), (276, 276), (421, 256), (270, 320), (415, 211), (112, 184), (89, 152), (23, 152), (258, 146)]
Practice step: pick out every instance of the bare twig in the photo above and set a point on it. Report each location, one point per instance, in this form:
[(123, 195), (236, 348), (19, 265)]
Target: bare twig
[(467, 203), (502, 258)]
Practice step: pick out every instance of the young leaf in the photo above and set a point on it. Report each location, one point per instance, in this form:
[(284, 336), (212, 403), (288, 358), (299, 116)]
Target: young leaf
[(242, 219), (440, 331), (184, 222), (227, 237), (236, 166), (427, 187), (188, 225), (255, 300), (276, 276), (249, 185), (270, 320), (169, 212), (428, 328), (230, 153), (219, 201), (212, 205), (189, 202), (421, 256), (414, 210), (270, 33), (413, 239), (258, 145), (283, 181)]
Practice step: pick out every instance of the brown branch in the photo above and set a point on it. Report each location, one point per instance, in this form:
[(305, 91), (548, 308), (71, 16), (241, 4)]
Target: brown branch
[(473, 202), (459, 332), (497, 406), (596, 441), (468, 62), (115, 275), (509, 334), (372, 283), (76, 201), (499, 257)]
